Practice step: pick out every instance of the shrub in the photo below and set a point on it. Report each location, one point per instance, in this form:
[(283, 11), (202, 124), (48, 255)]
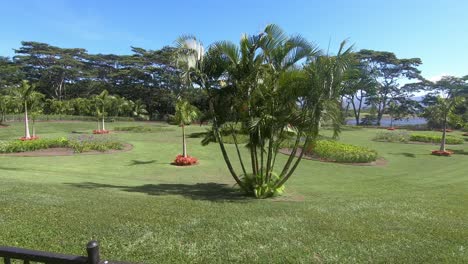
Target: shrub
[(442, 153), (32, 145), (436, 139), (341, 152), (100, 132), (79, 144), (137, 129), (143, 129), (185, 161), (396, 136), (84, 143)]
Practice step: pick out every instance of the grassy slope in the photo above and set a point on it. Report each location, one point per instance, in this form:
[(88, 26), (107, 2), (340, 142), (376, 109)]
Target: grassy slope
[(141, 208)]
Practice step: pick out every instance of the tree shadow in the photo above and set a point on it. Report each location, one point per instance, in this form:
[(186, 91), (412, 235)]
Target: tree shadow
[(459, 151), (141, 162), (11, 169), (406, 154), (197, 135), (214, 192)]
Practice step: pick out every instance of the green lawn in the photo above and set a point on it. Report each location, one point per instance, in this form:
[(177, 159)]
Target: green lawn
[(142, 209)]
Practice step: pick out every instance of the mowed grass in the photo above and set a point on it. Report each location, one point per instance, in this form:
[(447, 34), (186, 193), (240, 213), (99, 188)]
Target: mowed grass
[(142, 209)]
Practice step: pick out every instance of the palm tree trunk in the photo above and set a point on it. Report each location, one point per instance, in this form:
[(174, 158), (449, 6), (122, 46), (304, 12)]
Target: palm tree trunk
[(103, 127), (444, 133), (26, 121), (234, 137), (33, 127), (184, 144)]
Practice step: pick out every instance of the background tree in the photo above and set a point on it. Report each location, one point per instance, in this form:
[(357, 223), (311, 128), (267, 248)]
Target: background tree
[(358, 86), (388, 71), (445, 95)]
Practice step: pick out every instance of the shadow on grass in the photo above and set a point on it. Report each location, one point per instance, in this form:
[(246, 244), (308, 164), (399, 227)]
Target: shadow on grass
[(141, 162), (459, 151), (197, 135), (200, 191), (406, 154), (11, 169)]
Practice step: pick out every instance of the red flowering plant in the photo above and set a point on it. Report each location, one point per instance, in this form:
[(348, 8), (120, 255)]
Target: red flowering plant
[(99, 132), (185, 161), (28, 138), (448, 130), (442, 152), (391, 128)]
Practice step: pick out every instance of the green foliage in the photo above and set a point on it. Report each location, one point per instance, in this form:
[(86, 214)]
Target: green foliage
[(142, 129), (436, 139), (393, 136), (82, 143), (341, 152), (185, 113), (137, 129), (32, 145), (260, 188)]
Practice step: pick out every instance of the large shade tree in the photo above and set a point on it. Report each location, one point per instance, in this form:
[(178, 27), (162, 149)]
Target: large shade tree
[(388, 71)]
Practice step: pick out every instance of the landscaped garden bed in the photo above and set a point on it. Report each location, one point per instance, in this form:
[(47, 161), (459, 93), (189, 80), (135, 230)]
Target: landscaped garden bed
[(75, 144), (335, 151), (405, 137)]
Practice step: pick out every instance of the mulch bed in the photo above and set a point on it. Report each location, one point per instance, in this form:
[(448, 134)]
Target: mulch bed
[(64, 152), (379, 162)]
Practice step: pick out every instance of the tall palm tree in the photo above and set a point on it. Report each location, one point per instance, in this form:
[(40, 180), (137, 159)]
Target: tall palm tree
[(100, 103), (184, 115), (25, 93)]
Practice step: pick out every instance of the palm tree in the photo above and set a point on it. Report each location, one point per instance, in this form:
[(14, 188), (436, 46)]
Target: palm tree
[(451, 90), (100, 104), (256, 86), (185, 114), (25, 94), (35, 106)]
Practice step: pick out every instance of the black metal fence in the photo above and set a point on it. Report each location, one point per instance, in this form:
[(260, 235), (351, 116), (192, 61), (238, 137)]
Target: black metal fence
[(26, 255)]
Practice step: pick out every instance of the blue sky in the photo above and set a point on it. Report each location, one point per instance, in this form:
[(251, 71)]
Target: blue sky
[(435, 31)]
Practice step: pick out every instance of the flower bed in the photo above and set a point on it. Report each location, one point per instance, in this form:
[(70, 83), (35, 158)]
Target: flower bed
[(442, 153), (436, 139), (79, 144), (448, 130), (100, 132), (185, 161), (28, 138), (396, 136), (391, 128), (330, 150)]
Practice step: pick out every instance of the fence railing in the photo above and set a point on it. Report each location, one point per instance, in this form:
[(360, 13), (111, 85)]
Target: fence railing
[(26, 255)]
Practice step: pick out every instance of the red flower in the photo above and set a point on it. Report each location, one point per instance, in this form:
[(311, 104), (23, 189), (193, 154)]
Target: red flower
[(185, 161), (28, 138), (391, 128), (100, 132), (442, 153)]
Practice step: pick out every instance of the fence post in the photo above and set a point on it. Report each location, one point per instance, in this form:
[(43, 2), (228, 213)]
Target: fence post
[(92, 248)]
